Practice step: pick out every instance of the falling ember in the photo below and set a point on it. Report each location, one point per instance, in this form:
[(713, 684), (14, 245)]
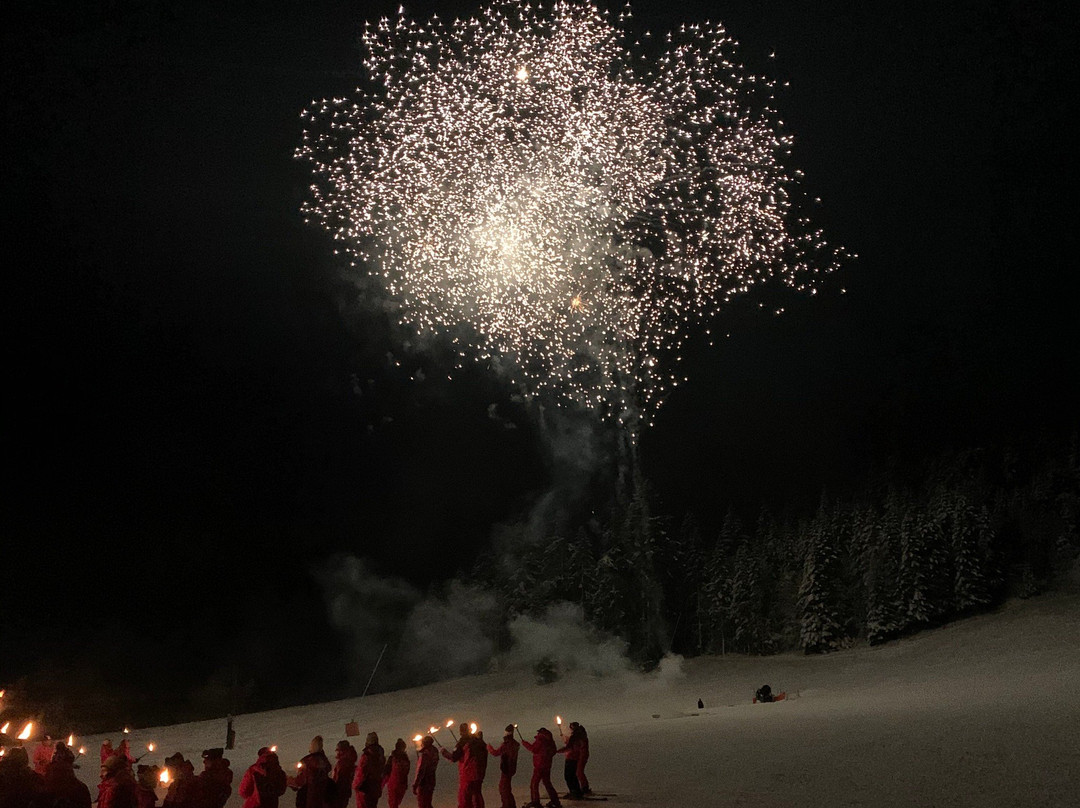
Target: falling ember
[(652, 184), (25, 734)]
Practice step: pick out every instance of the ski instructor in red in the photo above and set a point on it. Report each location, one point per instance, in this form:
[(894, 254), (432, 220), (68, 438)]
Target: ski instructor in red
[(508, 756), (543, 752)]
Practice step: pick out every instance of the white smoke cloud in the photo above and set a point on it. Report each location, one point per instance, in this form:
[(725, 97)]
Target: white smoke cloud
[(562, 635)]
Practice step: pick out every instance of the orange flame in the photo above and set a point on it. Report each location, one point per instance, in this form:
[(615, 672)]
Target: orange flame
[(3, 751), (164, 777), (433, 730), (449, 722), (558, 720), (473, 727), (127, 731), (150, 747), (82, 750), (273, 748), (417, 738), (5, 728), (25, 734), (71, 739), (299, 766)]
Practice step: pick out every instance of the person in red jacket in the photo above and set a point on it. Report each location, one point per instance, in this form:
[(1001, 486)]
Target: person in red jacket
[(396, 774), (576, 749), (313, 779), (426, 761), (43, 755), (369, 773), (543, 751), (460, 757), (264, 782), (107, 750), (146, 782), (344, 770), (214, 783), (117, 787), (62, 787), (508, 757), (124, 751), (181, 793)]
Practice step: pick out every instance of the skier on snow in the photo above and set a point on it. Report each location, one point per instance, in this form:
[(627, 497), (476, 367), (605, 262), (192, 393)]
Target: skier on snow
[(264, 782), (313, 783), (424, 784), (344, 770), (577, 755), (543, 751), (369, 773), (396, 774), (508, 755)]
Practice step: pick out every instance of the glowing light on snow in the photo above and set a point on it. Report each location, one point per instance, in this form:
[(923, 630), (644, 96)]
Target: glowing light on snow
[(25, 734), (557, 199)]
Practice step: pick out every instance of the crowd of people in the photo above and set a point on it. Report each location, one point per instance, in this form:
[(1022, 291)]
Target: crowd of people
[(52, 783)]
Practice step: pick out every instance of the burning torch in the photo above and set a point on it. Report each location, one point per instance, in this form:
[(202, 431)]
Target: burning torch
[(431, 732), (149, 749), (450, 726)]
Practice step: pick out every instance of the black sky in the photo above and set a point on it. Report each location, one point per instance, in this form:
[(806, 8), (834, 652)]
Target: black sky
[(182, 429)]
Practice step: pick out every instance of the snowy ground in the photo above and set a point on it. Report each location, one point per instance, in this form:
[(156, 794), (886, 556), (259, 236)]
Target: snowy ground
[(983, 712)]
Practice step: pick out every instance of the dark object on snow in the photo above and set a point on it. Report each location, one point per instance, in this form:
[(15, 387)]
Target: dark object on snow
[(230, 735), (700, 704), (764, 694)]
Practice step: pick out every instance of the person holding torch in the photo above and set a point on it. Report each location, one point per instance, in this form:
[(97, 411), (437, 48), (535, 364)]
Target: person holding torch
[(508, 757), (543, 751), (426, 761)]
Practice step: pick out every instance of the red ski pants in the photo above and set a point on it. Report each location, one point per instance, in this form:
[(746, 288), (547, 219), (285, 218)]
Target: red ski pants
[(506, 793), (542, 776)]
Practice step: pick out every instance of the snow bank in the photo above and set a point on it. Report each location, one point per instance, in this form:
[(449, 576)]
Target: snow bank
[(983, 712)]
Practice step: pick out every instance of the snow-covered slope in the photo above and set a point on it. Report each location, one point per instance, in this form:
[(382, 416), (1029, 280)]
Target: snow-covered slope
[(983, 712)]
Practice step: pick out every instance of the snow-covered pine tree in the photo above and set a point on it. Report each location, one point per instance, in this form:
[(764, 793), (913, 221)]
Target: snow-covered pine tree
[(885, 614), (818, 594), (971, 539), (748, 603)]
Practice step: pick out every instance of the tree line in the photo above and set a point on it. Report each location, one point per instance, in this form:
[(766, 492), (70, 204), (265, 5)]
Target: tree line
[(913, 548)]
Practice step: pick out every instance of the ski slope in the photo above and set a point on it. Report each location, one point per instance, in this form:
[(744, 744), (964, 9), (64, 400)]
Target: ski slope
[(982, 712)]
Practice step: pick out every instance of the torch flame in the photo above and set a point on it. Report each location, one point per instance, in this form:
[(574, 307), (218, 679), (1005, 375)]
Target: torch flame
[(71, 739), (558, 720), (82, 750), (2, 692), (150, 747), (3, 751), (299, 766), (417, 738), (433, 730), (473, 727), (25, 734), (164, 777), (5, 728), (449, 722), (127, 731), (273, 748)]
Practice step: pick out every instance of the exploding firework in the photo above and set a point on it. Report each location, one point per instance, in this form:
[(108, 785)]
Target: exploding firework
[(558, 194)]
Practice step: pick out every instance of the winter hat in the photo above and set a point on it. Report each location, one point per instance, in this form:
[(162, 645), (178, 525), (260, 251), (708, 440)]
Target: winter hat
[(217, 753), (112, 763), (18, 757), (372, 739), (509, 729), (63, 753), (175, 759)]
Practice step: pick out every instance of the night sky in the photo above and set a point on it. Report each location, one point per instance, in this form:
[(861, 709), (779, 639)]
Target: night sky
[(199, 411)]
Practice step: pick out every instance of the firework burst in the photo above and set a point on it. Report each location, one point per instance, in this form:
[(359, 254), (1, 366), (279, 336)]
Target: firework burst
[(559, 194)]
